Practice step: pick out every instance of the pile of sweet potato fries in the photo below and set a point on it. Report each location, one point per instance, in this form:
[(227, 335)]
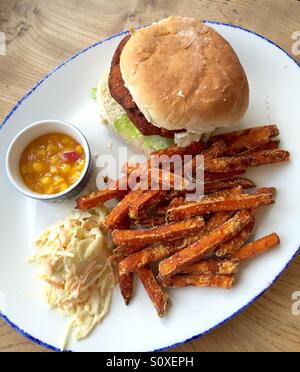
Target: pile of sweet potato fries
[(169, 242)]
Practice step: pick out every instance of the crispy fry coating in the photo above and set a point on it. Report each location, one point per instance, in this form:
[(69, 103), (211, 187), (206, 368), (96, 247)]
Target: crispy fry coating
[(257, 247), (149, 222), (139, 239), (222, 176), (242, 140), (158, 297), (207, 244), (120, 212), (269, 145), (229, 248), (159, 252), (126, 283), (194, 148), (213, 204), (202, 281), (228, 184), (138, 205), (212, 267), (101, 196), (265, 157)]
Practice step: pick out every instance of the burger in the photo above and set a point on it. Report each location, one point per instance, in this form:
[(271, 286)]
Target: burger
[(172, 82)]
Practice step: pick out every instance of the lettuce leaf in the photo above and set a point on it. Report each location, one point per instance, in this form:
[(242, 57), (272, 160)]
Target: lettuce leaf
[(126, 129)]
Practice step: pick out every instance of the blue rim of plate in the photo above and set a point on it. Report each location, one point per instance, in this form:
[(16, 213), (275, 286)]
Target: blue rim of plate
[(18, 104)]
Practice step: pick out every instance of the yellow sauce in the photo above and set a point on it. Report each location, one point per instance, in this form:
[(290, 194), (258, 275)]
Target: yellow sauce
[(52, 163)]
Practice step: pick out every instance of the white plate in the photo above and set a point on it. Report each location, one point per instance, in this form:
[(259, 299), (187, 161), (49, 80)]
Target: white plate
[(64, 94)]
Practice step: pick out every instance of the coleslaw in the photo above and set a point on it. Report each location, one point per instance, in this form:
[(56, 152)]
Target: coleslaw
[(79, 280)]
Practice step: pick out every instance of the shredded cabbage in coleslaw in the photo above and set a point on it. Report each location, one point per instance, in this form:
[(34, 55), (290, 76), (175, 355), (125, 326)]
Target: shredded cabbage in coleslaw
[(78, 276)]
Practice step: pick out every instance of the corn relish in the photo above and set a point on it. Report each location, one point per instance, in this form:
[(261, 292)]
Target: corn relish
[(52, 163)]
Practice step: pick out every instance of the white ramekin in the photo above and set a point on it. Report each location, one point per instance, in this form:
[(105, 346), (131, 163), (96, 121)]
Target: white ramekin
[(36, 130)]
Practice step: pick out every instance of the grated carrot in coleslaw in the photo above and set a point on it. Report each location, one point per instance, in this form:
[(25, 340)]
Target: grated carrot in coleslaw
[(79, 280)]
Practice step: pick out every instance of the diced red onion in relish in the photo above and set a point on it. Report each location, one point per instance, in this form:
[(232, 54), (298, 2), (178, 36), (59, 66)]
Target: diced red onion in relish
[(70, 157)]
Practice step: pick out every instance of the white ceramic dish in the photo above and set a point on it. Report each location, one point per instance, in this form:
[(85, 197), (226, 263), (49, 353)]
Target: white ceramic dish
[(36, 130), (275, 91)]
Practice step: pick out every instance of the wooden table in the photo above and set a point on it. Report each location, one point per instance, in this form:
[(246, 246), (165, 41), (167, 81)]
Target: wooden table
[(43, 33)]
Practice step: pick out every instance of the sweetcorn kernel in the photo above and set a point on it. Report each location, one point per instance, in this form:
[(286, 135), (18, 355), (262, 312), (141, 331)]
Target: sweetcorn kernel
[(67, 141), (63, 187), (50, 190), (45, 181), (38, 167), (80, 165), (53, 169), (74, 177), (58, 180), (41, 154), (52, 148), (79, 150), (66, 168), (54, 159)]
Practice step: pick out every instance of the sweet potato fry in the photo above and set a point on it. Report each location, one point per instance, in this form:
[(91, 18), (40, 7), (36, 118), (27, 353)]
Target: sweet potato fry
[(227, 192), (101, 196), (158, 297), (257, 247), (222, 176), (126, 282), (144, 201), (202, 281), (216, 220), (170, 195), (134, 241), (228, 184), (212, 267), (166, 181), (245, 139), (271, 130), (149, 222), (148, 255), (215, 150), (176, 202), (267, 190), (193, 149), (120, 212), (207, 244), (213, 204), (256, 159), (233, 245), (161, 251), (238, 190), (269, 145)]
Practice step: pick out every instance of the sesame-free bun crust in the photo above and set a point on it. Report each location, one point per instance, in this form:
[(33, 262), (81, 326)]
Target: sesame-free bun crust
[(184, 75)]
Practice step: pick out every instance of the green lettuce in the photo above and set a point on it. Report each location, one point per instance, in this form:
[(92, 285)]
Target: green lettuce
[(126, 129)]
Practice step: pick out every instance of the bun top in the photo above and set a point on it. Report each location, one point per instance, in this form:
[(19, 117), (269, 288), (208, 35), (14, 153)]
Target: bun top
[(184, 75)]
